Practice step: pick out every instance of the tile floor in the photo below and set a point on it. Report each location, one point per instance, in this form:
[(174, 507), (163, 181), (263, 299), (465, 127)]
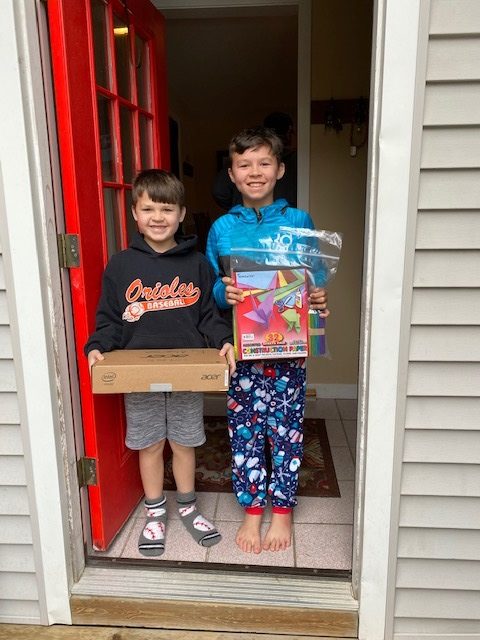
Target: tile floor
[(322, 537)]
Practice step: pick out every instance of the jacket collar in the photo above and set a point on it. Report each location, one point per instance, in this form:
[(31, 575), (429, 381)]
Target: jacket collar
[(250, 215)]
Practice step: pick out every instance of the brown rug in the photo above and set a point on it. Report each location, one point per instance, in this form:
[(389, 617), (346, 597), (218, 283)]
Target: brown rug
[(317, 473)]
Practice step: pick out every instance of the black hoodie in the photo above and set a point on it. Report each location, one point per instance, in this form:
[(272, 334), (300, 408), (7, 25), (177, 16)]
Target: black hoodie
[(156, 300)]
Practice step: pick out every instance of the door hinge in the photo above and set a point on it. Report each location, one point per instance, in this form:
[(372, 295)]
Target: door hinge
[(68, 253), (87, 471)]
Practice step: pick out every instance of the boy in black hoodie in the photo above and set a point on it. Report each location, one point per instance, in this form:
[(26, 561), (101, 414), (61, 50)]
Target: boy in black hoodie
[(158, 294)]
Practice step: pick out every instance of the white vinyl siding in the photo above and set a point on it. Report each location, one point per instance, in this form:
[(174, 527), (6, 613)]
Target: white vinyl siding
[(447, 268), (449, 413), (445, 344), (438, 556), (439, 544), (434, 230), (444, 379), (454, 59), (454, 17), (455, 307), (440, 479), (19, 599), (455, 147), (450, 189), (442, 106)]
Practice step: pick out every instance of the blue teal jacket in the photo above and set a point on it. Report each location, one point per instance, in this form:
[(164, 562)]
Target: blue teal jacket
[(240, 222)]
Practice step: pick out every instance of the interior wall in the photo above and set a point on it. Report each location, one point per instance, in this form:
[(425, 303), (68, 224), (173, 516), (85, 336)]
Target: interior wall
[(223, 77), (341, 47)]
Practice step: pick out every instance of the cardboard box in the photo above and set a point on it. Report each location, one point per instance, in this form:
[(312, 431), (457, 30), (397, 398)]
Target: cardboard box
[(132, 370), (272, 320)]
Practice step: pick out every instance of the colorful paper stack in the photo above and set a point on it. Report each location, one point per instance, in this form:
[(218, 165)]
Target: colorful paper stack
[(272, 320), (316, 334)]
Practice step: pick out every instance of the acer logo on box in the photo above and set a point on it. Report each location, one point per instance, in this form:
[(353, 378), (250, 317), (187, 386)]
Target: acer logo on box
[(210, 376), (109, 377)]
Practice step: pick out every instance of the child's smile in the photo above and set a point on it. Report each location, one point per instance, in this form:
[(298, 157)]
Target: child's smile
[(255, 172), (158, 222)]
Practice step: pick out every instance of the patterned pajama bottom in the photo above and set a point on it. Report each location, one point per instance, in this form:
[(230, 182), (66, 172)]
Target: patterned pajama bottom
[(265, 403)]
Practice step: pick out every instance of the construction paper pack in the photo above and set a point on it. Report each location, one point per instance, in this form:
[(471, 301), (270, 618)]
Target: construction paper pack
[(286, 250), (272, 320)]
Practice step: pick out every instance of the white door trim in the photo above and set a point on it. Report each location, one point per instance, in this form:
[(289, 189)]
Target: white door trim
[(386, 286), (303, 72)]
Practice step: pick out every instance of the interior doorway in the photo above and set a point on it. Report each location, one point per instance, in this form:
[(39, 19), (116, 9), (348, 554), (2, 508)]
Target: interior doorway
[(210, 62)]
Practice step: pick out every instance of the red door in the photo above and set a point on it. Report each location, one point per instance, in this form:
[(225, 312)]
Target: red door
[(109, 72)]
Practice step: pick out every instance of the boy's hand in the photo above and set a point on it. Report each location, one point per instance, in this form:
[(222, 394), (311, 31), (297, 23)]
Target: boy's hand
[(94, 356), (233, 295), (318, 300), (228, 351)]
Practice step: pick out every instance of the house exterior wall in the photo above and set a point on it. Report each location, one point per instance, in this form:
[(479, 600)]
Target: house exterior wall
[(435, 567), (437, 583), (19, 597)]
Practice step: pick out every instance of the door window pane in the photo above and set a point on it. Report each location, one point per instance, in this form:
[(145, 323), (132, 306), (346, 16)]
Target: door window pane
[(146, 144), (100, 44), (122, 57), (112, 221), (131, 224), (106, 139), (142, 70), (126, 134)]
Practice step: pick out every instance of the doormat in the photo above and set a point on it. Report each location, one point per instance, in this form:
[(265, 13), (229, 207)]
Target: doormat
[(317, 473)]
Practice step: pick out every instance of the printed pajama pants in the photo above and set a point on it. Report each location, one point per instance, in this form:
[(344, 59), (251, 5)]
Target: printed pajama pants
[(265, 403)]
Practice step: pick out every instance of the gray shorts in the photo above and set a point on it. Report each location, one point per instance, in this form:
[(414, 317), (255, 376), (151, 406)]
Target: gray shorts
[(152, 417)]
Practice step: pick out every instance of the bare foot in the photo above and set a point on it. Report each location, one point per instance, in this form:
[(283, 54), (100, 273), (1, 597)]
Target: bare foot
[(248, 536), (279, 534)]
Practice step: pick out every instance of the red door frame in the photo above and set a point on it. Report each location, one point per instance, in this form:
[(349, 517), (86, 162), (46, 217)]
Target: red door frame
[(113, 498)]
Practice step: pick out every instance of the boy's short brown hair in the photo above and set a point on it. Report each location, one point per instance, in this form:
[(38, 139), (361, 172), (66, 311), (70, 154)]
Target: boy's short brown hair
[(256, 137), (160, 186)]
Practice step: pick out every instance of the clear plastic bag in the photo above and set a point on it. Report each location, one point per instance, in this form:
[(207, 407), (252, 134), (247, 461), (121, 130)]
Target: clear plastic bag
[(314, 253)]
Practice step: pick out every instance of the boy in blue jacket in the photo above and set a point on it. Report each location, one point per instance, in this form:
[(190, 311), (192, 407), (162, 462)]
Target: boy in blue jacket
[(266, 399)]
